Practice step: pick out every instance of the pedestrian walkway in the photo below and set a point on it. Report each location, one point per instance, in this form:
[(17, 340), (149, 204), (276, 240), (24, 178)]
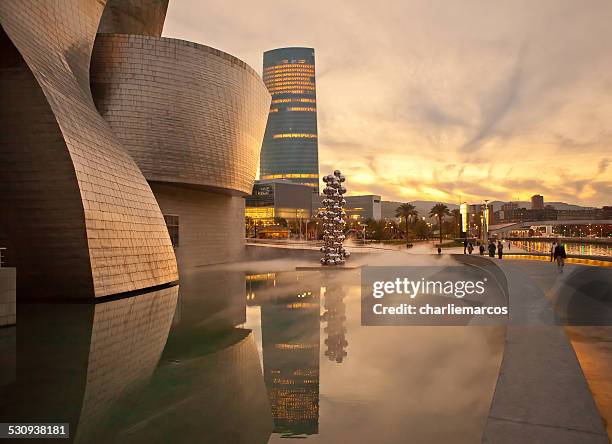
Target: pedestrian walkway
[(541, 394)]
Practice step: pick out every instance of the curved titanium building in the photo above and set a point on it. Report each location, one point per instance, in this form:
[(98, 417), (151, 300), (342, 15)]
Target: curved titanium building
[(193, 118), (145, 17), (78, 217), (104, 187), (290, 147)]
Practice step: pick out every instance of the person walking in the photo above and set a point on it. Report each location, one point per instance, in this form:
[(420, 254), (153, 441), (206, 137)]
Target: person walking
[(509, 245), (500, 249), (465, 244), (491, 249), (470, 248), (559, 256), (552, 250), (481, 248)]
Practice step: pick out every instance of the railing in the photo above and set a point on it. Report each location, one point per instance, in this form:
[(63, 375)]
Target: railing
[(1, 250), (599, 261)]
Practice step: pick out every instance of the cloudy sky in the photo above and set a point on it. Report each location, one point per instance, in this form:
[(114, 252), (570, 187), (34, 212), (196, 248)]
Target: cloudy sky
[(442, 100)]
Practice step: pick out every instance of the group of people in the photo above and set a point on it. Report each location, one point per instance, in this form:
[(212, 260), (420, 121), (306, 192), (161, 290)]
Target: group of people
[(491, 247), (557, 251)]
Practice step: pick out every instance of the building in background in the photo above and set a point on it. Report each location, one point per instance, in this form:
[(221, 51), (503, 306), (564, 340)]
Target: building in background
[(363, 207), (290, 146), (274, 199), (537, 202), (360, 208), (472, 219)]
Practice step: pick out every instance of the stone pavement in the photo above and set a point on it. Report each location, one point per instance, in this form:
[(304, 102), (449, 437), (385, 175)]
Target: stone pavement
[(541, 395)]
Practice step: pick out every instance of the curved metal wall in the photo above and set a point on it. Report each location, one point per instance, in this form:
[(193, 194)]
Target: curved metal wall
[(187, 113), (84, 222), (144, 17)]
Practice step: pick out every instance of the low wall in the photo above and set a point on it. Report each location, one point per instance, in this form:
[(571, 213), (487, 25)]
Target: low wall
[(264, 252), (211, 225), (291, 251)]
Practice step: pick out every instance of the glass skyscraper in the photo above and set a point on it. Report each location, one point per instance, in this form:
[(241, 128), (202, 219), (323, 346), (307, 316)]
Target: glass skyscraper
[(290, 147)]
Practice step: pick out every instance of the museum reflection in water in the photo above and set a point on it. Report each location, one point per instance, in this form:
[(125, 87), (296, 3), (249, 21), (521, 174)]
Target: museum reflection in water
[(176, 365)]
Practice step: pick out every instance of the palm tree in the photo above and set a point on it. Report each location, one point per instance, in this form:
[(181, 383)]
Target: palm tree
[(406, 211), (457, 216), (439, 210)]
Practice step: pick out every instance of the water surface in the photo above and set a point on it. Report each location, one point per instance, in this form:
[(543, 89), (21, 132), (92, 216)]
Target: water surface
[(247, 353)]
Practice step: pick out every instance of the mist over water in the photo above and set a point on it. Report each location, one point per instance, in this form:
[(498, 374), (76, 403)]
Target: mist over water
[(252, 350)]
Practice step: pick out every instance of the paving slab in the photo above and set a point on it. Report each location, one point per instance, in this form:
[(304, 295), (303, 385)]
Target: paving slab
[(541, 394)]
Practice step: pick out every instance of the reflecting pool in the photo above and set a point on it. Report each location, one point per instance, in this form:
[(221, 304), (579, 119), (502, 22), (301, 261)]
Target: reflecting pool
[(246, 353), (581, 248)]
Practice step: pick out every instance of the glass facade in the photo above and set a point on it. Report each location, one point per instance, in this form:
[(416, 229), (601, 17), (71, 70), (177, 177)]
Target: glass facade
[(290, 147), (277, 198)]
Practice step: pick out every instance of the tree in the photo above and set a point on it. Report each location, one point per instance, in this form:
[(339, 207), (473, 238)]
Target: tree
[(406, 211), (457, 217), (421, 229), (376, 228), (280, 221), (439, 211)]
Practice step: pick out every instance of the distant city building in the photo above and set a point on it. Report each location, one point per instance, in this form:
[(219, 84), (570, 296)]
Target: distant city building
[(537, 202), (472, 218), (547, 213), (585, 213), (290, 146), (368, 206), (509, 206), (363, 207), (277, 198)]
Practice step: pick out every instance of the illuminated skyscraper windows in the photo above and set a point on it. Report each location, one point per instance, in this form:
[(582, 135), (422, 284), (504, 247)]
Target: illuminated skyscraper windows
[(290, 147)]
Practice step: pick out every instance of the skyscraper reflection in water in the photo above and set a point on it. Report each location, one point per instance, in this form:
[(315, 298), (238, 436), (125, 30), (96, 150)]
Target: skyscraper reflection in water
[(290, 336), (290, 325)]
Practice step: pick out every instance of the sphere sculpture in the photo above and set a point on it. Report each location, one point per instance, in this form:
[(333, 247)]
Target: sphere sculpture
[(333, 220)]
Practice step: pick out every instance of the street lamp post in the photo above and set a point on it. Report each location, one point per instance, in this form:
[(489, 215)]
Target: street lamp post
[(485, 231)]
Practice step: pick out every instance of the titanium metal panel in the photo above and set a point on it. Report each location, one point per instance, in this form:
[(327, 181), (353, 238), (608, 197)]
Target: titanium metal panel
[(83, 221)]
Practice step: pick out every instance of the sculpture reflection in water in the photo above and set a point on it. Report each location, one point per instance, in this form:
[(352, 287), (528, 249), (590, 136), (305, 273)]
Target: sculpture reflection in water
[(335, 317)]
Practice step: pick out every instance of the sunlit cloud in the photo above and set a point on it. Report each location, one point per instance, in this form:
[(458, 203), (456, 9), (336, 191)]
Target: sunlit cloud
[(442, 100)]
